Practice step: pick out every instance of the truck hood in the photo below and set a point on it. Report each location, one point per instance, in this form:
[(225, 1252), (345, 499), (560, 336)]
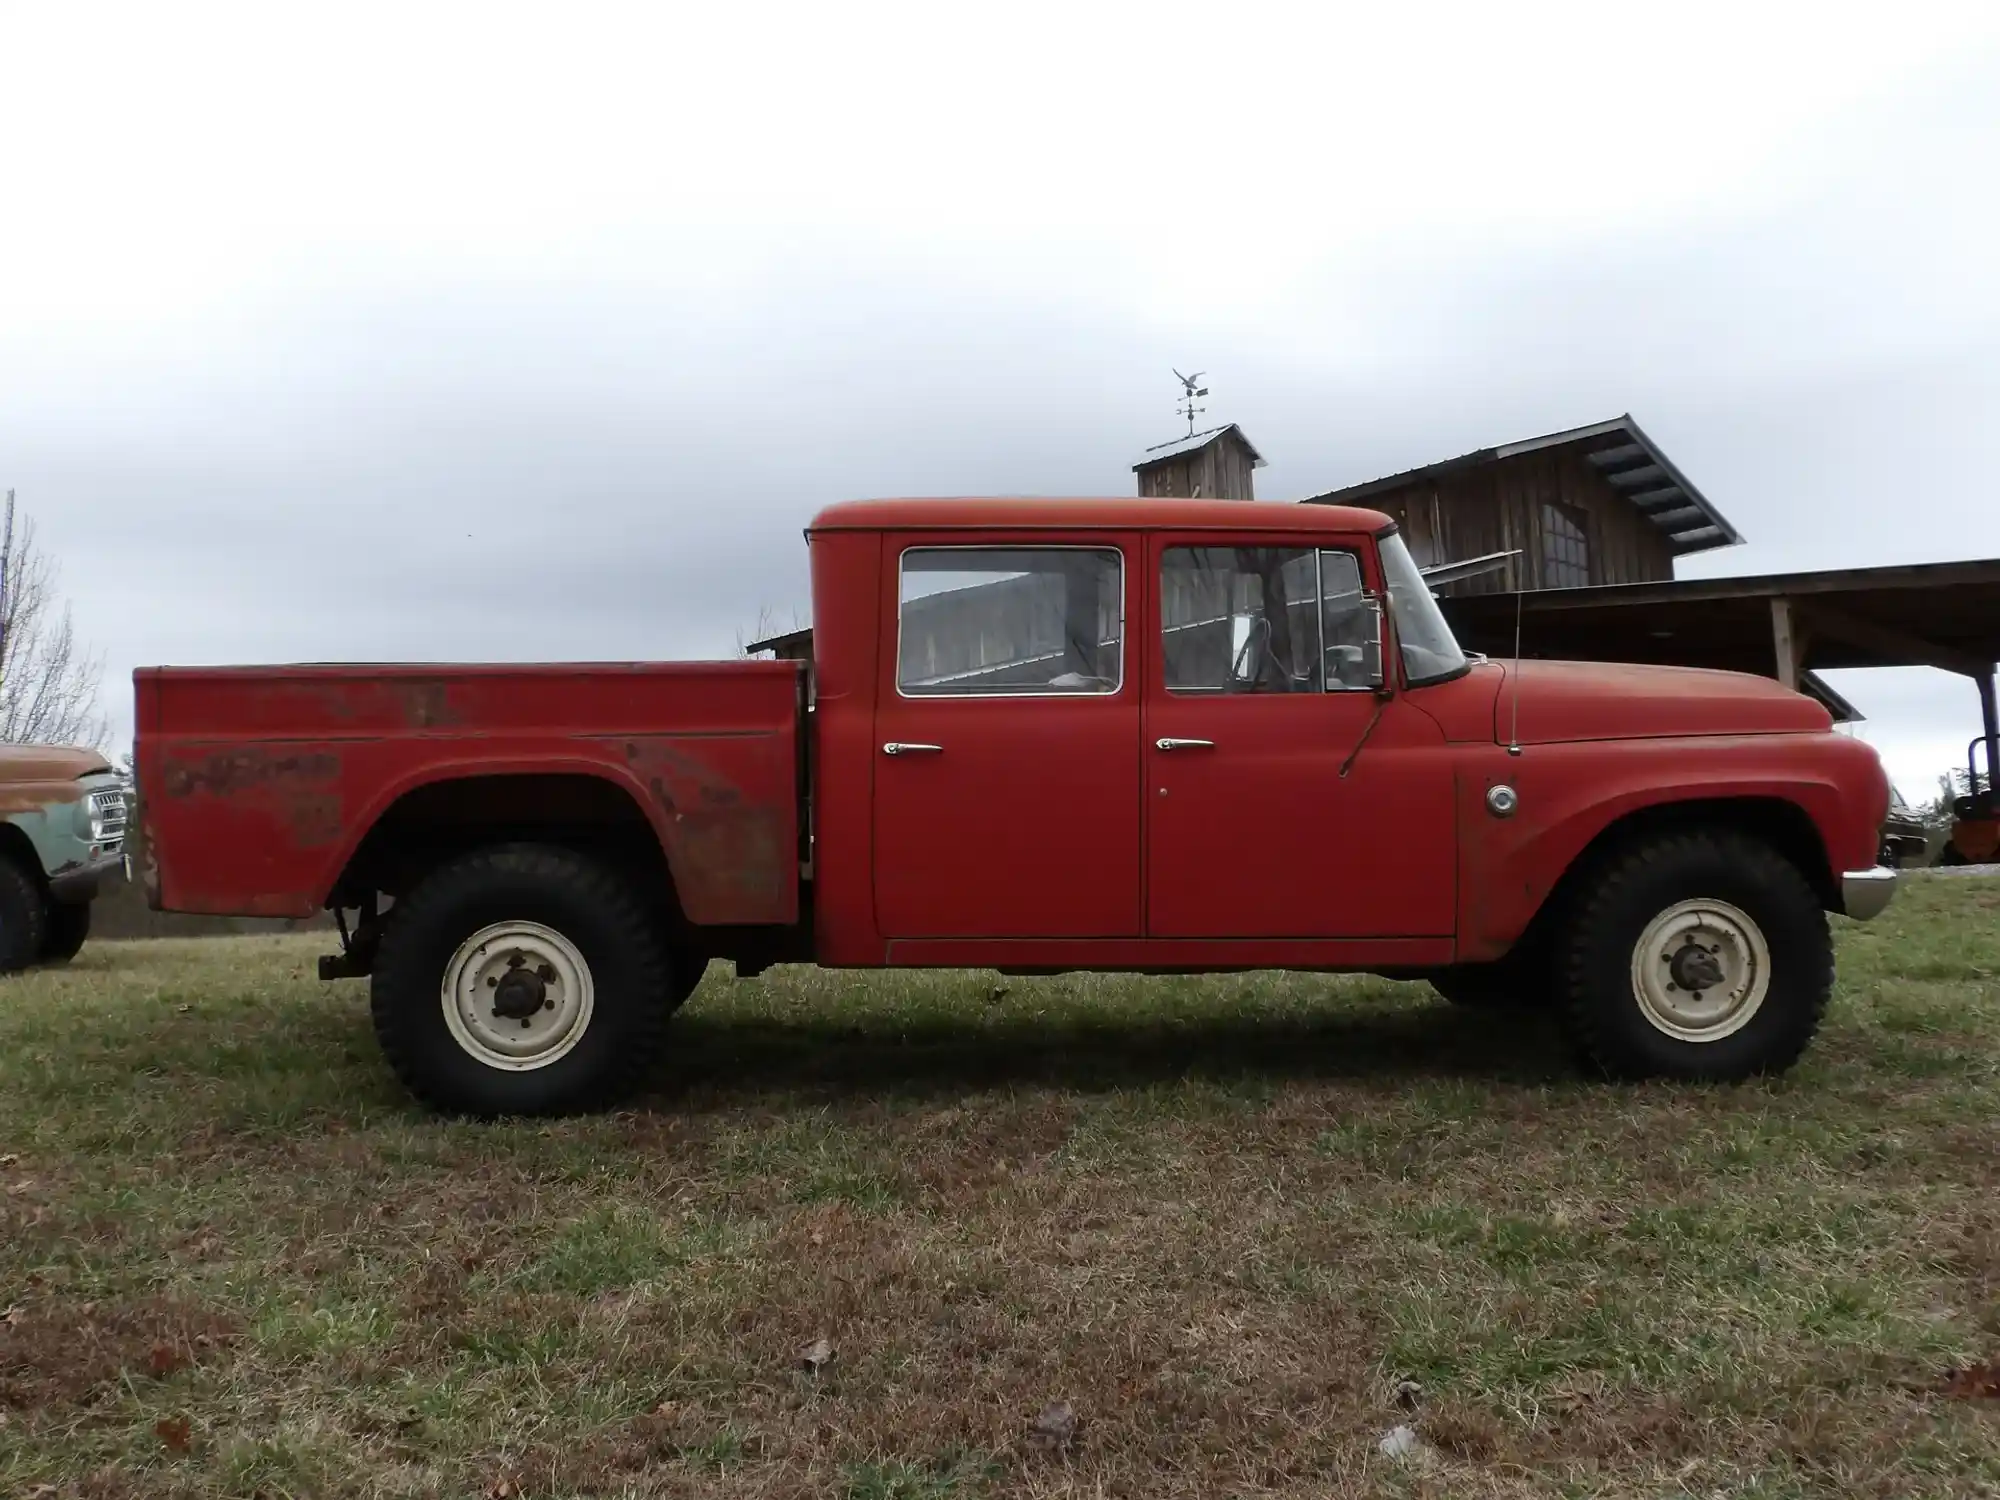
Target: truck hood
[(1575, 700), (48, 763)]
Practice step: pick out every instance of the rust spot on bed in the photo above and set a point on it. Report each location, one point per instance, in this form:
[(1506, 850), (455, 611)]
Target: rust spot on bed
[(732, 854), (229, 773), (424, 704), (294, 790)]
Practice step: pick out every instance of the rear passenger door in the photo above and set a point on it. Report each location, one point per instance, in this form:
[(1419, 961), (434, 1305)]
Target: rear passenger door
[(1006, 799)]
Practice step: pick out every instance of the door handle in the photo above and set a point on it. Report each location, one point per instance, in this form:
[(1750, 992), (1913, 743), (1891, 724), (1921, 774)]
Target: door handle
[(902, 747), (1174, 744)]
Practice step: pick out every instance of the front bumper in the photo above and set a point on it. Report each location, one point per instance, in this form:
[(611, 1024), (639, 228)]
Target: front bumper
[(1863, 893), (91, 879)]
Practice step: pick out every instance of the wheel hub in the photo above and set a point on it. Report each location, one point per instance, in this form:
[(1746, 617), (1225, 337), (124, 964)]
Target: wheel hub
[(519, 994), (1695, 967), (1701, 970)]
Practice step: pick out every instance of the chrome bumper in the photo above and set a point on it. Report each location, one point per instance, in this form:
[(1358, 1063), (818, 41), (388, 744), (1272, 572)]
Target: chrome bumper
[(97, 876), (1863, 893)]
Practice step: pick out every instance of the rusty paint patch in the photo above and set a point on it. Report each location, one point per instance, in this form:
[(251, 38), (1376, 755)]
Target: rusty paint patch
[(229, 773), (732, 855), (425, 704)]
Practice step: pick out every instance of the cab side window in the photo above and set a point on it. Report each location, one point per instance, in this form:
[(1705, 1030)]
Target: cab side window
[(1264, 620), (982, 622)]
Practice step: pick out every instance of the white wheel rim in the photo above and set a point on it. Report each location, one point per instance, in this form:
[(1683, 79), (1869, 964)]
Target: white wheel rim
[(1701, 970), (484, 999)]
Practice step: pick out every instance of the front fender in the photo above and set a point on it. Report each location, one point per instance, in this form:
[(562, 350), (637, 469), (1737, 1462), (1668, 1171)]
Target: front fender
[(1569, 794)]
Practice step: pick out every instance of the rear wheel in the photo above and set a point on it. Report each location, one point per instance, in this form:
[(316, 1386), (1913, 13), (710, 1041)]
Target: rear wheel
[(1513, 983), (520, 980), (67, 931), (685, 978), (1695, 956), (24, 918)]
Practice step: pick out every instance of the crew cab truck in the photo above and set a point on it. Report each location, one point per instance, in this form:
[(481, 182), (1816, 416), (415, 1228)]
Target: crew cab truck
[(1161, 736)]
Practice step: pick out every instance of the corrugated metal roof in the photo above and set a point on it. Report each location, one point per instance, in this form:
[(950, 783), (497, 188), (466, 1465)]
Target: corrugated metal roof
[(1630, 463), (1196, 440)]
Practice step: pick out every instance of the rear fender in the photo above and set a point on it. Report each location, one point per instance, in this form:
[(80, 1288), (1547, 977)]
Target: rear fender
[(728, 862)]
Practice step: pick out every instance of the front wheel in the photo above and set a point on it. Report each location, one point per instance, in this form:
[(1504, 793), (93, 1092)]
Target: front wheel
[(1699, 956), (67, 930), (520, 980)]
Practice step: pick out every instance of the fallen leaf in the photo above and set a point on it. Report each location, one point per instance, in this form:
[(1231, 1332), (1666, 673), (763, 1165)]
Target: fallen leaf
[(164, 1360), (176, 1432), (10, 1317), (503, 1489), (816, 1356), (1054, 1429), (1975, 1382), (1402, 1444), (817, 1237)]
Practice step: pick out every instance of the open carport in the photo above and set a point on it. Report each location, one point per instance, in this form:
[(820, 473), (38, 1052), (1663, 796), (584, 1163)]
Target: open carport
[(1782, 625)]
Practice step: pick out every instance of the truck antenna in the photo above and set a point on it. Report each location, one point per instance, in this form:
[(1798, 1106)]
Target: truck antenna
[(1514, 677)]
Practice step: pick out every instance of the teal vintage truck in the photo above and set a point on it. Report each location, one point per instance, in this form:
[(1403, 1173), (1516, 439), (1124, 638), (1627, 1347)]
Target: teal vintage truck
[(63, 814)]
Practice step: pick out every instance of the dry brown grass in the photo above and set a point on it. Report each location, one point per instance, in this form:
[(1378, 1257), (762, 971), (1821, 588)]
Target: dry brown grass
[(1223, 1218)]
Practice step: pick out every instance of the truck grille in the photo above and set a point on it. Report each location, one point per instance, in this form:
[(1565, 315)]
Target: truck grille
[(112, 815)]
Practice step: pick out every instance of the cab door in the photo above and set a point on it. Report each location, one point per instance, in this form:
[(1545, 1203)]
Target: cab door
[(1006, 753), (1285, 797)]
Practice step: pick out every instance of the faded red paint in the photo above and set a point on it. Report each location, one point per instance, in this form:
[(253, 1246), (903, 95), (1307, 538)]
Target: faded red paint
[(260, 783)]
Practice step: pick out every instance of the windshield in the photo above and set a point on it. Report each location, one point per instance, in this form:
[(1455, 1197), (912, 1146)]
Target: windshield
[(1430, 654)]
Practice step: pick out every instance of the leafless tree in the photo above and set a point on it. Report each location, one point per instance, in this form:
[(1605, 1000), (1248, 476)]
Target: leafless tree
[(766, 626), (48, 683)]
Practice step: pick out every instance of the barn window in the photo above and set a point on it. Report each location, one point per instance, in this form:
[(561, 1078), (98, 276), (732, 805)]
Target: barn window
[(1565, 547)]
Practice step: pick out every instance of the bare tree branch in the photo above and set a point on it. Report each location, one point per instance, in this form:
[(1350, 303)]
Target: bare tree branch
[(48, 683)]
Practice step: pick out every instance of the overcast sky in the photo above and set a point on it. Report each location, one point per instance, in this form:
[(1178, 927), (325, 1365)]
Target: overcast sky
[(471, 333)]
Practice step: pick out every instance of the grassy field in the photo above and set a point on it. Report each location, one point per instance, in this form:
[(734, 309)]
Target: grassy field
[(1225, 1219)]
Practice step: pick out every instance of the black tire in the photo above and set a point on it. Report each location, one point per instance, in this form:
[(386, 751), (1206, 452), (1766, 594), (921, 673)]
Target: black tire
[(68, 930), (24, 918), (590, 908), (1949, 856), (688, 970), (1496, 986), (1607, 1020)]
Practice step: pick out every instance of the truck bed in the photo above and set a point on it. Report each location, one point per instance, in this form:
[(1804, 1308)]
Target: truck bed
[(257, 784)]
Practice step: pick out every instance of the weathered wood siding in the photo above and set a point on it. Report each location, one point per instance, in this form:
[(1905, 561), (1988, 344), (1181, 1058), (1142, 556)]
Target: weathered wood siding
[(1496, 507), (1219, 471)]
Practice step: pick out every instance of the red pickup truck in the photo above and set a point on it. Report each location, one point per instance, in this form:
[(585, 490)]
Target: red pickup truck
[(1035, 736)]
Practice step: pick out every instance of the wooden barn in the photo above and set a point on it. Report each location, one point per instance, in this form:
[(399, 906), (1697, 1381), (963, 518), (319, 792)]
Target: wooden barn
[(1593, 505)]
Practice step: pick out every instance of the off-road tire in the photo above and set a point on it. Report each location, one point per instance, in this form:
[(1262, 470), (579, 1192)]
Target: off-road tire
[(24, 917), (1505, 985), (688, 970), (589, 905), (67, 931), (1594, 953)]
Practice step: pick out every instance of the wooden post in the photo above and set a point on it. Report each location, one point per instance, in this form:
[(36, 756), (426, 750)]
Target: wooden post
[(1785, 643)]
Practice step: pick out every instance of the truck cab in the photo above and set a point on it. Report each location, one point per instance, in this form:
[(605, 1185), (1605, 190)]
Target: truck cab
[(1160, 736)]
